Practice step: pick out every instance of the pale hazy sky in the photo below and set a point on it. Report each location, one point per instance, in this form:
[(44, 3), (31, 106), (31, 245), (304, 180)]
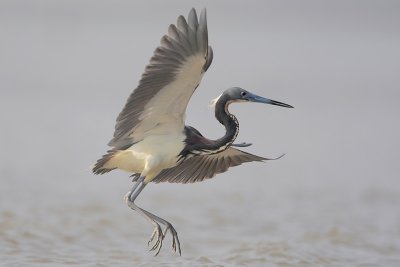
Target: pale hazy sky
[(67, 67)]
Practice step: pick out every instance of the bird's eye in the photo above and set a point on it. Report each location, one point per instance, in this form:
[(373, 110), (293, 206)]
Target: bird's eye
[(243, 93)]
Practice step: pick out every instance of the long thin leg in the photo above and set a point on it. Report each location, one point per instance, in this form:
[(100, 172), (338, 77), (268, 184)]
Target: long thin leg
[(130, 198), (138, 182), (153, 219)]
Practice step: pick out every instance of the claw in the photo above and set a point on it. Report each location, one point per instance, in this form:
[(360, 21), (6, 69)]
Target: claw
[(158, 244), (177, 243), (175, 239), (159, 236), (152, 236)]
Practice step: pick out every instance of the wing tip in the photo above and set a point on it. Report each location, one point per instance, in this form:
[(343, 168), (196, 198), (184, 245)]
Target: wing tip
[(192, 19), (262, 159), (203, 18)]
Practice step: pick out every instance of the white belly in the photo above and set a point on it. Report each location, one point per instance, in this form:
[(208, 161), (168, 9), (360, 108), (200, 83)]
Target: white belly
[(149, 156)]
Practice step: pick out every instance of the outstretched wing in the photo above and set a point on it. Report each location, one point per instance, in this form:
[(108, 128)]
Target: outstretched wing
[(159, 102), (198, 168)]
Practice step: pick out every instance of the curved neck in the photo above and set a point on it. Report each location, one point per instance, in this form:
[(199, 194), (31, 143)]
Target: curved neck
[(196, 144), (228, 120)]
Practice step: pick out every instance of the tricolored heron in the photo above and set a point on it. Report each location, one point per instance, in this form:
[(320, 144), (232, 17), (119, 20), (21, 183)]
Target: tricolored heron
[(151, 140)]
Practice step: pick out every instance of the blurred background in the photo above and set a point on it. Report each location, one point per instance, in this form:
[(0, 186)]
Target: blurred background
[(67, 68)]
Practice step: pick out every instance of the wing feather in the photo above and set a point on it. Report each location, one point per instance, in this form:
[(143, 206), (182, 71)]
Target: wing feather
[(201, 172), (182, 24), (202, 167), (176, 68), (193, 22)]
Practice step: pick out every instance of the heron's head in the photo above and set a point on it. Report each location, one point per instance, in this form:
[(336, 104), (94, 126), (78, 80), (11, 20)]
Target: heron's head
[(237, 94)]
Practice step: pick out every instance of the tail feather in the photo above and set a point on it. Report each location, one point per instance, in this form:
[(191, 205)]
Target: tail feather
[(99, 166)]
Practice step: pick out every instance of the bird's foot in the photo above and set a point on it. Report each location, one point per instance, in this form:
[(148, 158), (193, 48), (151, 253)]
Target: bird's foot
[(159, 237), (243, 144), (175, 239)]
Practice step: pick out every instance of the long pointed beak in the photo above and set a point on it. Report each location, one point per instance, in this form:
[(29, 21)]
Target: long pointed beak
[(260, 99)]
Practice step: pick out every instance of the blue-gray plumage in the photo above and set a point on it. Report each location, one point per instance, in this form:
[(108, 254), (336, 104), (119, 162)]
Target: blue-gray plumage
[(151, 139)]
